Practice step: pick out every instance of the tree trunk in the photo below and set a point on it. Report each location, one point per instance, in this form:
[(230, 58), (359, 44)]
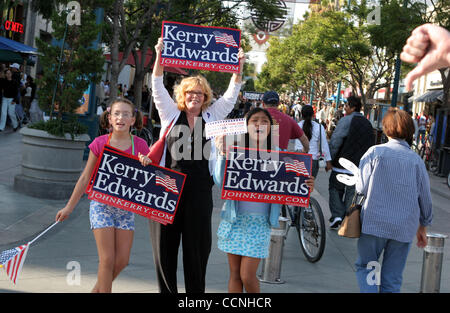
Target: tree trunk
[(115, 64)]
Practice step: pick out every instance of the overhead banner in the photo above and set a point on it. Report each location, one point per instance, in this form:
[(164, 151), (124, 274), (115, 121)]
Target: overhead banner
[(273, 176), (200, 47), (121, 181), (253, 95), (225, 127)]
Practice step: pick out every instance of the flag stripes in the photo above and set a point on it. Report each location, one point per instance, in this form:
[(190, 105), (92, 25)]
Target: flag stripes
[(297, 167), (12, 261), (166, 182), (228, 40)]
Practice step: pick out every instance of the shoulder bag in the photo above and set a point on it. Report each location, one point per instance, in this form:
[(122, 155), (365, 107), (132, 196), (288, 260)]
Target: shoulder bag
[(351, 225)]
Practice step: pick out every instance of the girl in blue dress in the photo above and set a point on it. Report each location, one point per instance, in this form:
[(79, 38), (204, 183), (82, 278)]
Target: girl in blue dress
[(244, 230)]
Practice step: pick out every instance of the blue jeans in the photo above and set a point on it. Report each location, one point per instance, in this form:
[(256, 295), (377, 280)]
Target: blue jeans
[(8, 109), (394, 259), (341, 196)]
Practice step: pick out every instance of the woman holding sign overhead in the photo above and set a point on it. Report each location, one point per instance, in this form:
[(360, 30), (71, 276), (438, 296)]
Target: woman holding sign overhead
[(244, 230), (113, 228), (187, 151)]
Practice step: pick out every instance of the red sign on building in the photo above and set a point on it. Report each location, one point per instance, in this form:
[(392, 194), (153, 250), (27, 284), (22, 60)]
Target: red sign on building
[(14, 27)]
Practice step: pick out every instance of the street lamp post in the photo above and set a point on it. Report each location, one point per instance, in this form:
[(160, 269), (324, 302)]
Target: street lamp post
[(398, 64)]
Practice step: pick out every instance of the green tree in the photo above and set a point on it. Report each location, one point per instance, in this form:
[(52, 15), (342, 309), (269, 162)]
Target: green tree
[(80, 64), (292, 63)]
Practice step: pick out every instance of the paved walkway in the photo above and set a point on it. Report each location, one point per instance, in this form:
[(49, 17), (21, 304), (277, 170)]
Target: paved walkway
[(69, 246)]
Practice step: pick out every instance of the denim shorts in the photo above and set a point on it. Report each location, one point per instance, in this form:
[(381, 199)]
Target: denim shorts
[(102, 216)]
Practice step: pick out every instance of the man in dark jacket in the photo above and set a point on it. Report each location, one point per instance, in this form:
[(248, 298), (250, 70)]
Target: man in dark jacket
[(352, 137)]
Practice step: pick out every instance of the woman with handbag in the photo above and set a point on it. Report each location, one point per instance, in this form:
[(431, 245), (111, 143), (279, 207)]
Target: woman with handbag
[(397, 205), (318, 144), (186, 150)]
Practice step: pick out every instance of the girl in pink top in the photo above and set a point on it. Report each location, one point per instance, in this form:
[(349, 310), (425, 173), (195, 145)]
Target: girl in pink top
[(113, 228)]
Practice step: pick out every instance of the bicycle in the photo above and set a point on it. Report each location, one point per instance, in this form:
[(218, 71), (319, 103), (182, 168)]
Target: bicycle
[(310, 225)]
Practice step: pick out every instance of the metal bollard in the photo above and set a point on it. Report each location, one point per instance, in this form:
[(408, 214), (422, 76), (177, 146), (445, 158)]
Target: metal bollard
[(271, 266), (432, 263)]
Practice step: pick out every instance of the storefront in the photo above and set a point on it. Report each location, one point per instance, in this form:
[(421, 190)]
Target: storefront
[(12, 34)]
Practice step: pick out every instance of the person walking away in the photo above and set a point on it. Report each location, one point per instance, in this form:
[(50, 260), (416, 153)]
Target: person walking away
[(397, 205), (317, 137), (30, 92), (286, 126), (416, 128), (10, 91), (350, 140), (113, 228), (422, 123), (185, 121), (244, 230)]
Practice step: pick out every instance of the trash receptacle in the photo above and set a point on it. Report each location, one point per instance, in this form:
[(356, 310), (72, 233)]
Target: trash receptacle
[(271, 266), (432, 263)]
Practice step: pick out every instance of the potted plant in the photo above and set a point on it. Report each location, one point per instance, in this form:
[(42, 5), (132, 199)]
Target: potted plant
[(52, 157)]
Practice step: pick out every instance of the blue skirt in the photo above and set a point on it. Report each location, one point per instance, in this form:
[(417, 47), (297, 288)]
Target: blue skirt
[(248, 236)]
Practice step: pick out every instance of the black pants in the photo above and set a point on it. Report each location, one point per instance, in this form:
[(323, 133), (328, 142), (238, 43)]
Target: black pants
[(192, 224)]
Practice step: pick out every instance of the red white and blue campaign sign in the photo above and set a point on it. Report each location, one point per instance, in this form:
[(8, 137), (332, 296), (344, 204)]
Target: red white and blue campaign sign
[(121, 181), (200, 47), (273, 176)]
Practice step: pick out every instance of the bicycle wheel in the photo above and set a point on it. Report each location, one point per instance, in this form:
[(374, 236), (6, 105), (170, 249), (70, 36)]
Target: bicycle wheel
[(448, 180), (311, 231)]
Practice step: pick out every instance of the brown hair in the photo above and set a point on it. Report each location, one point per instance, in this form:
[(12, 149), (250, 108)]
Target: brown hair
[(138, 124), (188, 84), (398, 124)]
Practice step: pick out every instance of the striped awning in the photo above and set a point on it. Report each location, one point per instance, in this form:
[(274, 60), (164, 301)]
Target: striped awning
[(429, 96)]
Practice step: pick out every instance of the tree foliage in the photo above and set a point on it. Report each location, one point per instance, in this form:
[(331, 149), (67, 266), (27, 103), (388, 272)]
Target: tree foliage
[(80, 64), (332, 45)]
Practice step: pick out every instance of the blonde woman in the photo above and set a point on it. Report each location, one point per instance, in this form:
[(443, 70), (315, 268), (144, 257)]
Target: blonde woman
[(188, 151)]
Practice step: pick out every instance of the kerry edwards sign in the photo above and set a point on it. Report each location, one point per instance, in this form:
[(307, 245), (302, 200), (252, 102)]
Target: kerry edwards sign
[(121, 181), (273, 176), (200, 47)]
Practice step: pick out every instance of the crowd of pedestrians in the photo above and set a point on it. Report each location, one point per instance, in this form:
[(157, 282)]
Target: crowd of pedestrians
[(17, 92), (391, 177)]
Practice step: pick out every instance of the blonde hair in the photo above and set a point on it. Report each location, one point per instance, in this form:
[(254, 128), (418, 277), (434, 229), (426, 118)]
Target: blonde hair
[(190, 83)]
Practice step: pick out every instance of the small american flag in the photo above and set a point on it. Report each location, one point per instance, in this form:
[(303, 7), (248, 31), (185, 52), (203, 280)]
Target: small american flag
[(297, 167), (228, 40), (166, 182), (12, 260)]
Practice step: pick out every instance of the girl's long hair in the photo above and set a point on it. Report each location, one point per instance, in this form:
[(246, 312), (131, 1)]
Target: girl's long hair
[(307, 115)]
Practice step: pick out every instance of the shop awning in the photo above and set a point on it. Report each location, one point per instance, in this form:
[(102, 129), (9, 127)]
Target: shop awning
[(15, 57), (148, 57), (429, 96), (11, 45)]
